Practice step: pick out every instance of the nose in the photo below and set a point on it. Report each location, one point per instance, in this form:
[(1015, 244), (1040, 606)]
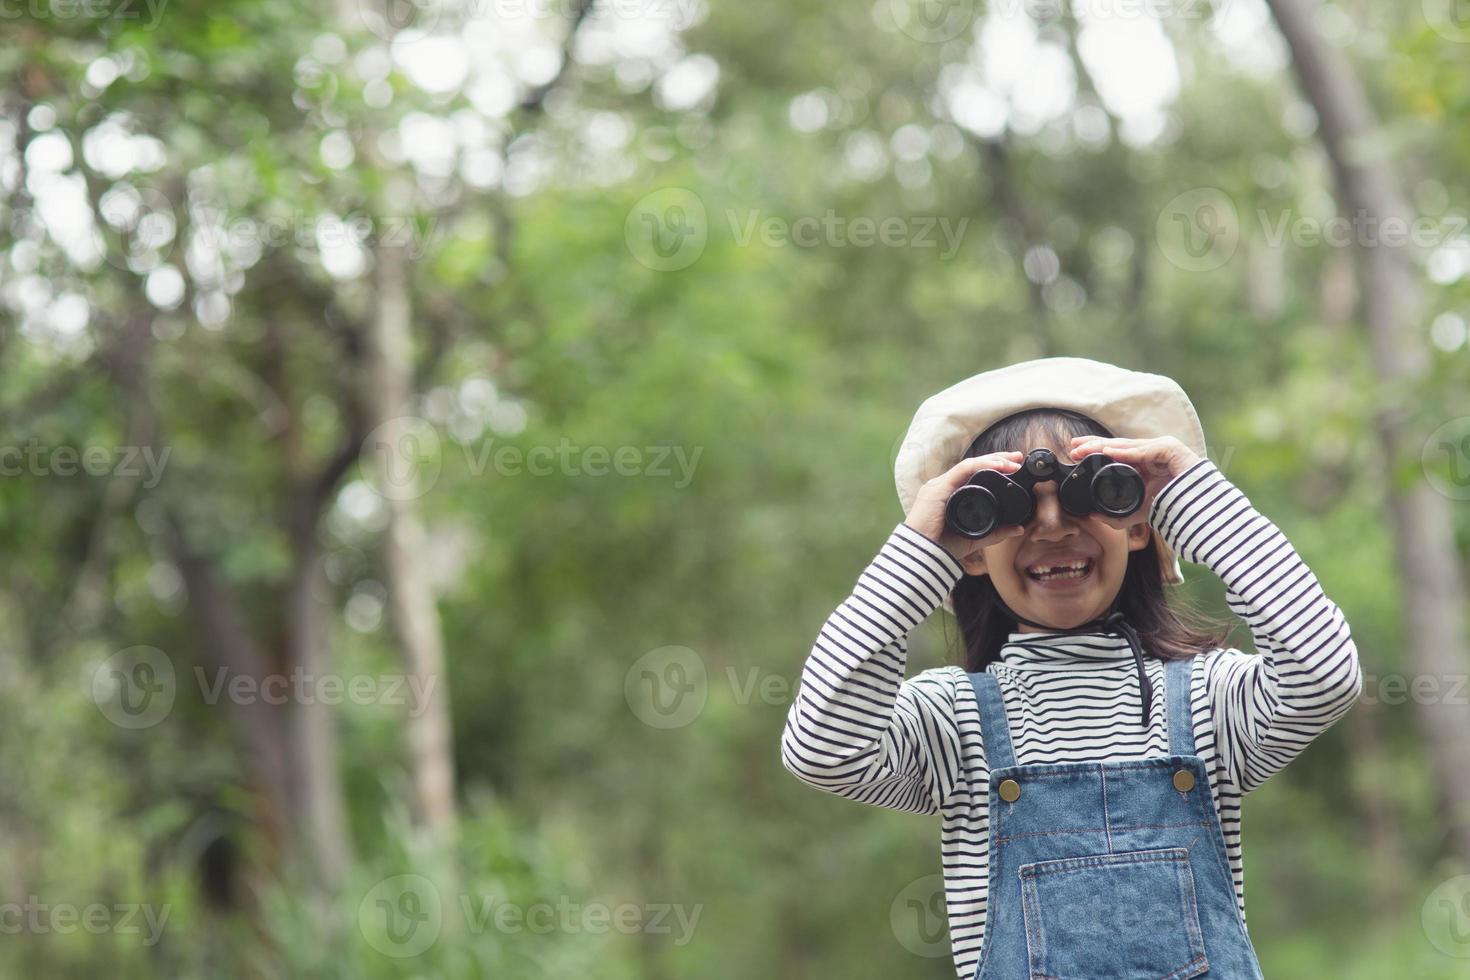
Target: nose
[(1050, 522)]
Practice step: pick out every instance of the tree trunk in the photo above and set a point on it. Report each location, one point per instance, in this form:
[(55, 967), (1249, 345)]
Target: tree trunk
[(228, 649), (412, 609), (1379, 809), (1006, 196), (1428, 565), (316, 780)]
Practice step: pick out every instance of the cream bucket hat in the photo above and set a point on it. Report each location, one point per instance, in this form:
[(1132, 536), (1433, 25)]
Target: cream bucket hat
[(1131, 404)]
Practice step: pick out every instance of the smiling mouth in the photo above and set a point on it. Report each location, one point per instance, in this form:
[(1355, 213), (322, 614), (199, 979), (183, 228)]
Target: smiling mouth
[(1064, 574)]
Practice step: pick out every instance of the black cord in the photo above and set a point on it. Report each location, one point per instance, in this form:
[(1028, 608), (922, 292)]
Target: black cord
[(1113, 622)]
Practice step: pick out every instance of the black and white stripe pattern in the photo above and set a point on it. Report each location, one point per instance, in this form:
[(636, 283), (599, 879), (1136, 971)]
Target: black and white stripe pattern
[(857, 728)]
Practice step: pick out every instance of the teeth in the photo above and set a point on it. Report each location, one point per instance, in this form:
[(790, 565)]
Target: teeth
[(1071, 570), (1070, 566)]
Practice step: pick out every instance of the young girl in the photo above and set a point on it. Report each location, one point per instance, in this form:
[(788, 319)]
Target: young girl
[(1089, 760)]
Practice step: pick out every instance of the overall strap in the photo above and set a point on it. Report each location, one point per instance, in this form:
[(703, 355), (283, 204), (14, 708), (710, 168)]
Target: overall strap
[(1177, 674), (995, 731)]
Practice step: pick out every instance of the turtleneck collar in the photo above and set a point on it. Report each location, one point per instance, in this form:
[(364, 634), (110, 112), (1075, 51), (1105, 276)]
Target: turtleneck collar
[(1066, 651), (1077, 646)]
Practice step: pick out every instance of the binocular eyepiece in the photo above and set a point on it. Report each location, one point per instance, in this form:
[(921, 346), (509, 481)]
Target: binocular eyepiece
[(1095, 484)]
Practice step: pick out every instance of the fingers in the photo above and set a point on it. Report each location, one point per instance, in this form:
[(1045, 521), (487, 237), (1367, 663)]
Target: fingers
[(1100, 444), (1117, 445), (961, 472), (1149, 457), (1138, 453)]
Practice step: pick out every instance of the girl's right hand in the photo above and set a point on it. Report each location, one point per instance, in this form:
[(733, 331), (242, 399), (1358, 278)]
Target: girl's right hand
[(927, 513)]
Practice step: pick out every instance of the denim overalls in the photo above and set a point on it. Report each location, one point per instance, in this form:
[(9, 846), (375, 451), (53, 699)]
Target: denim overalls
[(1108, 870)]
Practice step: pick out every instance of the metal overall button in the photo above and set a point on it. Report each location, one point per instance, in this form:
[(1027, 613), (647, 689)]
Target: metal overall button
[(1009, 790), (1183, 780)]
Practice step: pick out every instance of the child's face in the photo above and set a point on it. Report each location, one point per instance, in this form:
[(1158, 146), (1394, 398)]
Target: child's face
[(1054, 536)]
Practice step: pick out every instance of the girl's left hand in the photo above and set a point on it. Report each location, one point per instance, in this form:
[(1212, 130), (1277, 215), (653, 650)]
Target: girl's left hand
[(1157, 460)]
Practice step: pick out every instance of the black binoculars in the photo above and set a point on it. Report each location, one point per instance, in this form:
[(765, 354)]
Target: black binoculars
[(1097, 483)]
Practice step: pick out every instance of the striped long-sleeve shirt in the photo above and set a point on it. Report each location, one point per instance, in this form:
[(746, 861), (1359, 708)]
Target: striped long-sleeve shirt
[(859, 729)]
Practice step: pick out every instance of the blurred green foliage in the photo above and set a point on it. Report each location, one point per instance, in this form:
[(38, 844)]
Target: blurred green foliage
[(783, 374)]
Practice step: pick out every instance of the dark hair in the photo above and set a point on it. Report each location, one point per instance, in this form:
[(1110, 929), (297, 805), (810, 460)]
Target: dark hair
[(985, 624)]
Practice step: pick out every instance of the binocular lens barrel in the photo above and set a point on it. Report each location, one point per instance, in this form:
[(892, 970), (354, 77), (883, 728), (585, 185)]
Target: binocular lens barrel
[(972, 511), (1117, 490)]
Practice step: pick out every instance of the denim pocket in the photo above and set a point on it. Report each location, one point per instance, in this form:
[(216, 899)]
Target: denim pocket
[(1130, 915)]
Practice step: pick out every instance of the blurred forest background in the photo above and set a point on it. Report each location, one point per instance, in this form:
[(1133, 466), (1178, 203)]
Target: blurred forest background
[(434, 435)]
